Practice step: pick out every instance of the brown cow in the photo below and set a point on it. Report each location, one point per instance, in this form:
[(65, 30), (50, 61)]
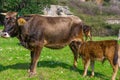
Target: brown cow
[(87, 32), (39, 31), (98, 50)]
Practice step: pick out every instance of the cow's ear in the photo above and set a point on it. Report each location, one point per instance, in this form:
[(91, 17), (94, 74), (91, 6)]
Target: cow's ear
[(21, 21)]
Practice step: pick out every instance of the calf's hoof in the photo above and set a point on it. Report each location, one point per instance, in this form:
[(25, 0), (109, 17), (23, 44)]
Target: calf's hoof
[(92, 76), (84, 75)]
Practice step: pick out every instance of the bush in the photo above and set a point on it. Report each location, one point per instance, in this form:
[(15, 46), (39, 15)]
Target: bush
[(91, 15), (105, 30), (25, 6), (93, 9), (112, 10), (85, 7)]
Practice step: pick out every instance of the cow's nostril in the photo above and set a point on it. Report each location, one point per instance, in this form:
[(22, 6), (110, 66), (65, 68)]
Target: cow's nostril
[(5, 34)]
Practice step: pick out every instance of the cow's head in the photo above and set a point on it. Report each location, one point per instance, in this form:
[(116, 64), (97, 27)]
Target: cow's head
[(11, 23)]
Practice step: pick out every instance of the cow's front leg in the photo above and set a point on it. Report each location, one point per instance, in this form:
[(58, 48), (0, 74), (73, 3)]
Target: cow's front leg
[(34, 59), (31, 55)]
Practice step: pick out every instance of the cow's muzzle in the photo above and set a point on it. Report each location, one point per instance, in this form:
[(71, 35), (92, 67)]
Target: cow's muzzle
[(4, 34)]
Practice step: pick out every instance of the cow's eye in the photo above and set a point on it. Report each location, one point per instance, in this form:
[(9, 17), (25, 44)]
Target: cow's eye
[(7, 18)]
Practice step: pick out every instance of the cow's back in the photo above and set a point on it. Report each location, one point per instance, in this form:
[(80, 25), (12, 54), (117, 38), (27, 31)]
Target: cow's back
[(57, 31)]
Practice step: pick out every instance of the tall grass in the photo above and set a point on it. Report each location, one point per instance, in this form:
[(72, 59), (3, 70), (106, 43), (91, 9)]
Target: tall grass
[(52, 65)]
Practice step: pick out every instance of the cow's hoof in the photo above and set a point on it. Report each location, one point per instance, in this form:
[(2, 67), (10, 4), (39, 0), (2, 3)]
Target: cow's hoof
[(31, 74), (28, 70)]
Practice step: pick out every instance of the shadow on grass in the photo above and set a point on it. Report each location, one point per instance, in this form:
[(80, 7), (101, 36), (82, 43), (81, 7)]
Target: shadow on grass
[(49, 64)]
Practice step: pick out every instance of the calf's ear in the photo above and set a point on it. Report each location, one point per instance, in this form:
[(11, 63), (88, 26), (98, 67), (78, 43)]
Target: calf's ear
[(21, 21)]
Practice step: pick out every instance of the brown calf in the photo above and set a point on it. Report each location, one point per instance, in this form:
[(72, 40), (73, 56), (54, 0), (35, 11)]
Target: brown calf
[(98, 50)]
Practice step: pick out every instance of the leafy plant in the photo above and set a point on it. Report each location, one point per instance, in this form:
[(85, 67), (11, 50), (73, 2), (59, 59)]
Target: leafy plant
[(25, 6)]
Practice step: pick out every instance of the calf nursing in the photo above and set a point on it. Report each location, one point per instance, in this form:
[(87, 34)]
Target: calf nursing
[(98, 50)]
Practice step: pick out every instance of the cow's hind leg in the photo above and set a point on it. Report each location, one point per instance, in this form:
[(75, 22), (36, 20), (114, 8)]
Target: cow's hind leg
[(86, 63), (90, 36), (34, 59)]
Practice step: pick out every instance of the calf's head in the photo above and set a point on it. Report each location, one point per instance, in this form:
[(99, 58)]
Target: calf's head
[(11, 24)]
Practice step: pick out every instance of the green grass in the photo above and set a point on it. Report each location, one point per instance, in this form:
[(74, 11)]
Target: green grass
[(1, 27), (52, 65)]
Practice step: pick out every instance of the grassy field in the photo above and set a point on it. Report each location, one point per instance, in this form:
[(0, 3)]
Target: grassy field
[(52, 65)]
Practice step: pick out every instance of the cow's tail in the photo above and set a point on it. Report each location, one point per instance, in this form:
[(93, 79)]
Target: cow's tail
[(119, 56), (115, 59)]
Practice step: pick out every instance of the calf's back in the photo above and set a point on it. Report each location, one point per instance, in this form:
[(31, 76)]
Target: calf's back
[(100, 50)]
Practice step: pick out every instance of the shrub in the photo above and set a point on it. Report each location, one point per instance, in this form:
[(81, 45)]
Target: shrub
[(93, 9), (25, 6)]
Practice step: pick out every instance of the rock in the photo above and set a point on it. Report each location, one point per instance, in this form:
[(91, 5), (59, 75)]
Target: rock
[(56, 10)]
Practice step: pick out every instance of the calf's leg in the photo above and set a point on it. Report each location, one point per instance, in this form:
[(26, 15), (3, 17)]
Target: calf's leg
[(115, 69), (86, 63), (92, 68)]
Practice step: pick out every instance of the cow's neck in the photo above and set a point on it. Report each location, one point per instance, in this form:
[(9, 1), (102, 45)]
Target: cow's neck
[(22, 34)]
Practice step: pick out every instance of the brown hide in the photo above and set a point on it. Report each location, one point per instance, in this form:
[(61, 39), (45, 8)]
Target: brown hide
[(98, 50), (36, 31), (55, 31)]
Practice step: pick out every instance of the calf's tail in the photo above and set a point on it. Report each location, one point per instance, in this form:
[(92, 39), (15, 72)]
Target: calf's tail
[(119, 56), (115, 59)]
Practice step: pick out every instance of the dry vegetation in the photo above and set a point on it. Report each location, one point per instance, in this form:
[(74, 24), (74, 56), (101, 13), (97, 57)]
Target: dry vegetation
[(95, 15)]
